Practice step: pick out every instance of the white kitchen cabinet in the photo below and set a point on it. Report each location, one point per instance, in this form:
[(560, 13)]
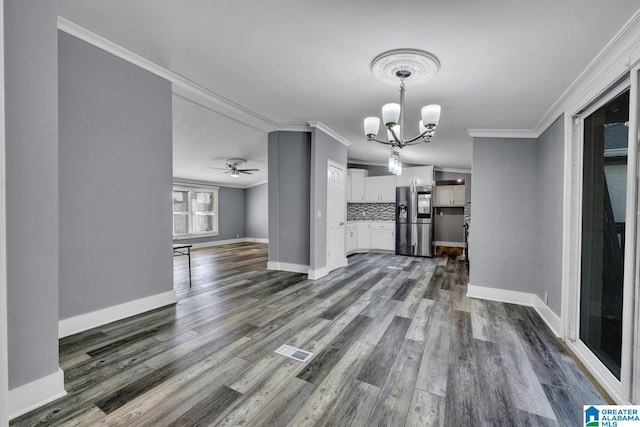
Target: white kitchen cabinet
[(416, 175), (352, 238), (383, 236), (347, 188), (380, 189), (357, 184), (423, 175), (364, 235), (449, 195)]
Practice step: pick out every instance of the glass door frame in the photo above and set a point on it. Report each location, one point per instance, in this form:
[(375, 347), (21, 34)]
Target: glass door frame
[(628, 387)]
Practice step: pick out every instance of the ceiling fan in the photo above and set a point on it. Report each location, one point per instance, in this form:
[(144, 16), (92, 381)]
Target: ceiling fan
[(232, 168)]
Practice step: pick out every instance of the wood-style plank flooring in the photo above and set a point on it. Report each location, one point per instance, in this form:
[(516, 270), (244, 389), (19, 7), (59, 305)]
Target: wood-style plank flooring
[(395, 340)]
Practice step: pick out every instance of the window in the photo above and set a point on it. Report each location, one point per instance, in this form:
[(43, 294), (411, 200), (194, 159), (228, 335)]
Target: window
[(195, 212)]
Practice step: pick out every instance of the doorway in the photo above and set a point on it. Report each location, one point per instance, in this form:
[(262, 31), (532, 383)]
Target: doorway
[(336, 207), (604, 207), (601, 257)]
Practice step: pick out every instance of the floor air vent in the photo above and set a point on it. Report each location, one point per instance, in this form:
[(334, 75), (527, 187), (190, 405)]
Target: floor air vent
[(294, 353)]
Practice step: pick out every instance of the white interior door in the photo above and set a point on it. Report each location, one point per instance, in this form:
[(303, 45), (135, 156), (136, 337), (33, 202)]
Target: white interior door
[(335, 215)]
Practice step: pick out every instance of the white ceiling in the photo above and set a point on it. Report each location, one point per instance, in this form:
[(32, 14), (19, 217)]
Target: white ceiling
[(504, 64)]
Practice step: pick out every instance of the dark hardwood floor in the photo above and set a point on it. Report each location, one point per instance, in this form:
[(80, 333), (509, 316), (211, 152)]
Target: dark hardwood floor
[(395, 341)]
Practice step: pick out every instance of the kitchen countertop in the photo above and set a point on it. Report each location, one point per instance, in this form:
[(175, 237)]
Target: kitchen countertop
[(370, 220)]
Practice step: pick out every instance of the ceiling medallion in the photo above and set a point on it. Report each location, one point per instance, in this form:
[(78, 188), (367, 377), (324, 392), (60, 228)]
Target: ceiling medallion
[(421, 65), (407, 67)]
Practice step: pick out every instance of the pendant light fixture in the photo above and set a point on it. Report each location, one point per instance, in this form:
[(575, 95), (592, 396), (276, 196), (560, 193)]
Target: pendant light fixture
[(407, 66)]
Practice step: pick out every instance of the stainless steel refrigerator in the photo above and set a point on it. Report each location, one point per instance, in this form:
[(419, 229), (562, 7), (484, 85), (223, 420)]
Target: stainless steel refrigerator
[(414, 228)]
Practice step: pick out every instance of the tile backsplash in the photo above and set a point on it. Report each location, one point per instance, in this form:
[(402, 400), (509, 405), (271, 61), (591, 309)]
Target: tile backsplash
[(371, 211)]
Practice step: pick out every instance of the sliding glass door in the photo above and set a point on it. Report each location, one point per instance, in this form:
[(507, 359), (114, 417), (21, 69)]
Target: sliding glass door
[(604, 210)]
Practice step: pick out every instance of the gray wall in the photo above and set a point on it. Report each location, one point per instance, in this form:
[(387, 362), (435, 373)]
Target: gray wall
[(323, 148), (550, 165), (289, 188), (115, 180), (231, 221), (257, 205), (31, 108), (505, 217)]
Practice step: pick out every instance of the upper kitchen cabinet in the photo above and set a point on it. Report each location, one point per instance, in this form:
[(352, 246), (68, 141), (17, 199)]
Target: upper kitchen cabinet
[(357, 185), (449, 195), (379, 189), (416, 175)]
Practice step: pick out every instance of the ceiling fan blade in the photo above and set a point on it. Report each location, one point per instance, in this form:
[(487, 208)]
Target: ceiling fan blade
[(245, 171), (220, 169), (248, 170)]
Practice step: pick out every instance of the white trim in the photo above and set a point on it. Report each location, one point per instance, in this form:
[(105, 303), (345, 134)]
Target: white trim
[(194, 184), (209, 244), (87, 321), (36, 393), (604, 377), (520, 298), (326, 129), (285, 266), (318, 273), (181, 86), (610, 64), (256, 239), (502, 133), (4, 369), (256, 184), (451, 170), (551, 319)]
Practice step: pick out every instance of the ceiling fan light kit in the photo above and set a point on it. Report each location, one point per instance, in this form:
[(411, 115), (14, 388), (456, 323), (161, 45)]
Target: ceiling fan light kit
[(409, 67), (233, 170)]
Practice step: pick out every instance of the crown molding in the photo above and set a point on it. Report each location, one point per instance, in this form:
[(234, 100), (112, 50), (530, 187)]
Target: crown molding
[(181, 86), (502, 133), (451, 170), (326, 129), (613, 61), (257, 183)]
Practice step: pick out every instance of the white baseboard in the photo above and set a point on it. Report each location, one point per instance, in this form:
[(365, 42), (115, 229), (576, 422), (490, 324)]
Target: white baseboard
[(285, 266), (213, 243), (318, 273), (84, 322), (36, 393), (256, 240), (520, 298)]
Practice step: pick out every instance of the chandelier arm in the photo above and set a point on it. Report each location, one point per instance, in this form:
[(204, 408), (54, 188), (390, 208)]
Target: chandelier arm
[(393, 133), (382, 142)]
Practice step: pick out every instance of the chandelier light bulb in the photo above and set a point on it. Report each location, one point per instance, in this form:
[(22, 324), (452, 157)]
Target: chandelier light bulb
[(431, 115), (391, 114), (371, 126)]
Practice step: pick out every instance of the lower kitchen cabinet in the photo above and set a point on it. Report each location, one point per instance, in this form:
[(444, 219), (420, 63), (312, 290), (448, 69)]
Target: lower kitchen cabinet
[(383, 236), (370, 235), (364, 235), (351, 243)]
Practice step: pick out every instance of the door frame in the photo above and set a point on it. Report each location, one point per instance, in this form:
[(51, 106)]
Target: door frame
[(4, 368), (343, 168), (620, 390)]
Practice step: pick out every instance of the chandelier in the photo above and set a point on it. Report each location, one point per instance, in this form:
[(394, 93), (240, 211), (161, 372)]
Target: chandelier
[(407, 66)]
